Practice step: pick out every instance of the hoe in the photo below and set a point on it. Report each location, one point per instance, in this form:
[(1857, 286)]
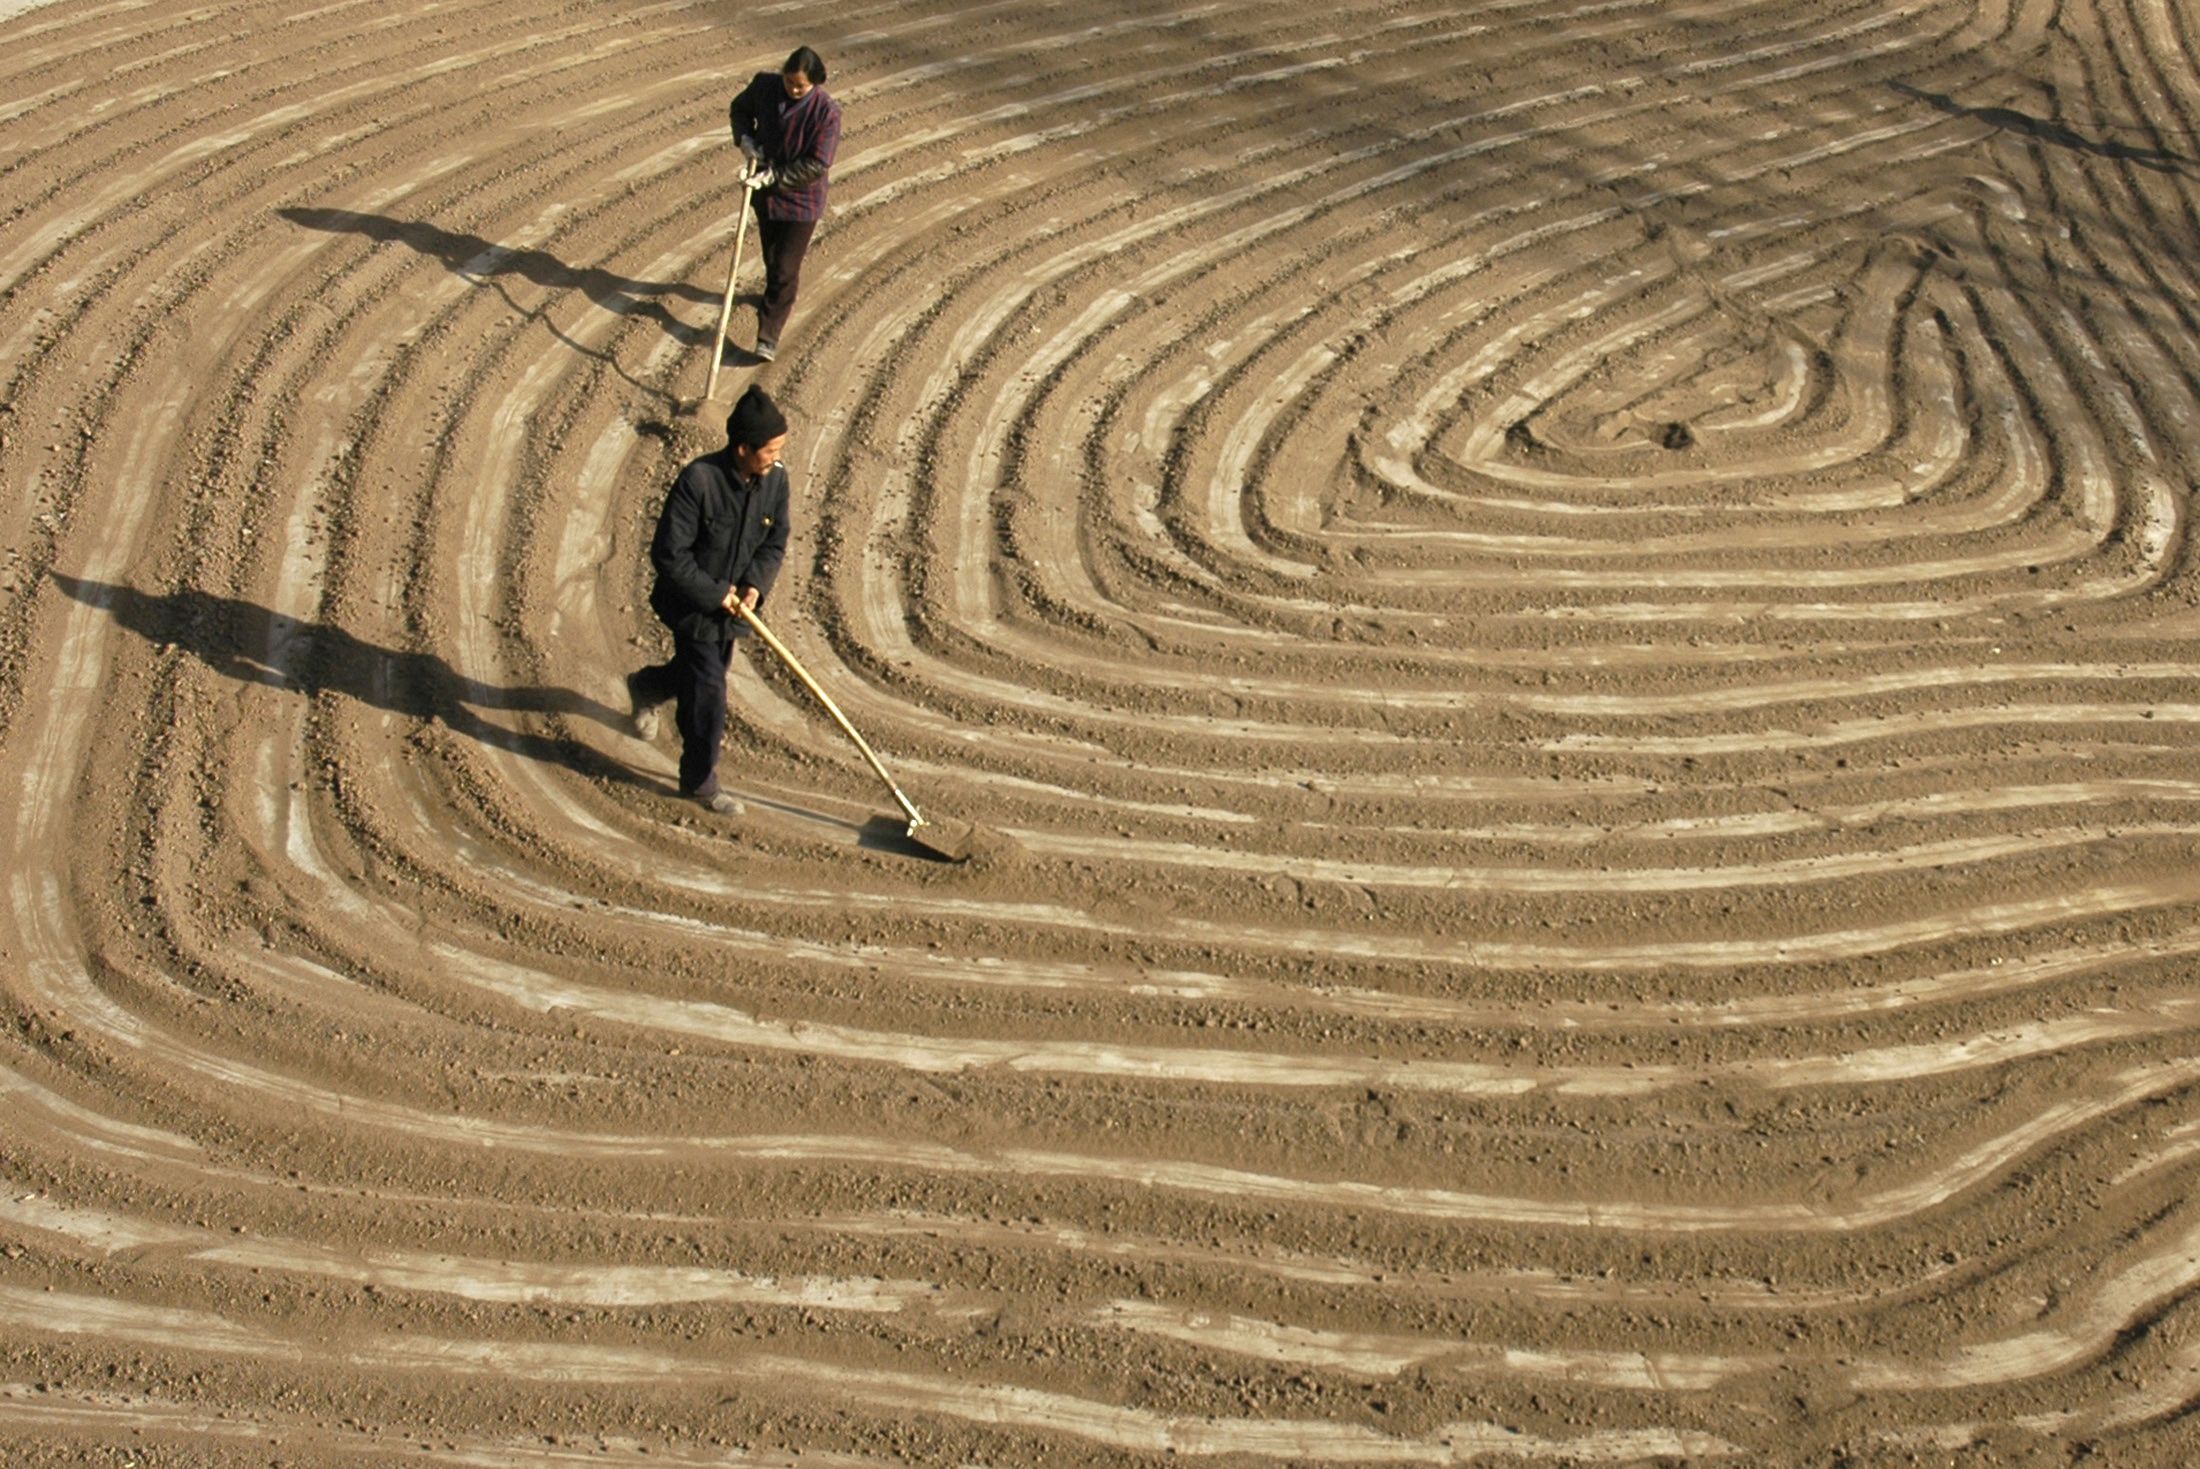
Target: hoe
[(949, 840)]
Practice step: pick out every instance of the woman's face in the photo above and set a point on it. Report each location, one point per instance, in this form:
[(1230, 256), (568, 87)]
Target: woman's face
[(797, 84)]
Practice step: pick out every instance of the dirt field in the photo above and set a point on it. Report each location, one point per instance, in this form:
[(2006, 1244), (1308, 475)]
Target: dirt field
[(1571, 622)]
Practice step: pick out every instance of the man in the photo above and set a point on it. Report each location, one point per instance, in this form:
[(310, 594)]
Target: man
[(788, 128), (720, 540)]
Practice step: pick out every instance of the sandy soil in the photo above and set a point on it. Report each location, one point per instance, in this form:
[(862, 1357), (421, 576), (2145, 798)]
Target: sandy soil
[(1571, 624)]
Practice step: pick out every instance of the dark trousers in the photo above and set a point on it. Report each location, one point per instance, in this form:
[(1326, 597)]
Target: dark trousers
[(695, 680), (783, 243)]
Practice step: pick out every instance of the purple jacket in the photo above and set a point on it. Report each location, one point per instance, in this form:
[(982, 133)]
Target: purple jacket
[(798, 139)]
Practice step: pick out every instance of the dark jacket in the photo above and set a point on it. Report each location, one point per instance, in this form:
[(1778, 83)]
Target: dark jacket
[(798, 139), (717, 530)]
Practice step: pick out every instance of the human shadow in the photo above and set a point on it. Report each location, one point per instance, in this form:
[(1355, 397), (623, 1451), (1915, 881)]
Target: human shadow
[(2054, 134), (486, 263), (249, 643), (477, 259)]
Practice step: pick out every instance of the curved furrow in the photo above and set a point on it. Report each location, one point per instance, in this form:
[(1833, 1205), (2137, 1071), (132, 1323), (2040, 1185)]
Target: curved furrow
[(1568, 624)]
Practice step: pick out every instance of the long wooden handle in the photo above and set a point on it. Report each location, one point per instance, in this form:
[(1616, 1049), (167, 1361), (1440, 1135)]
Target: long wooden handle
[(916, 818), (733, 272)]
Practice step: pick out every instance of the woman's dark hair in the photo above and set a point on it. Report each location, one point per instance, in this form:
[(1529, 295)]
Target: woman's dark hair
[(809, 63)]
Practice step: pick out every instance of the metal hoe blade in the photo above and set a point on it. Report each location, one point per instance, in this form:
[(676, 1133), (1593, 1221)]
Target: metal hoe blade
[(949, 840)]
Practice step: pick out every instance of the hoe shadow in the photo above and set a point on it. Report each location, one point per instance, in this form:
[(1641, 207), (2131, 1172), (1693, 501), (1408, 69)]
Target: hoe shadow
[(486, 263), (890, 834), (2054, 134), (240, 640)]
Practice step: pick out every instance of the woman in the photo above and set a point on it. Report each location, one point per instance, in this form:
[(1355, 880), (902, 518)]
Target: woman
[(788, 126)]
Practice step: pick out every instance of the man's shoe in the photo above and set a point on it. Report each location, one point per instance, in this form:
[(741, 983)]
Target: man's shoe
[(642, 712), (718, 803), (767, 349)]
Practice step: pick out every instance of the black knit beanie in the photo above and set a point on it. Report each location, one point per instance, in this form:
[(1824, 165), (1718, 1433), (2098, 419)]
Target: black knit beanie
[(755, 420)]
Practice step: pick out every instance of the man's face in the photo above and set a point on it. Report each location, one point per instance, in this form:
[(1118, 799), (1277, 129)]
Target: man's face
[(797, 83), (754, 461)]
